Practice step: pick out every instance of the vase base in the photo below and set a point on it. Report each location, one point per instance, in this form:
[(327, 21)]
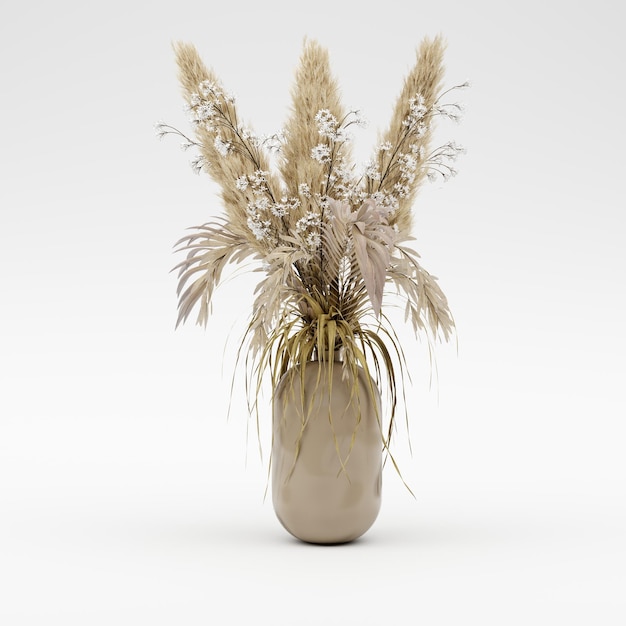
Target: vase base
[(328, 533)]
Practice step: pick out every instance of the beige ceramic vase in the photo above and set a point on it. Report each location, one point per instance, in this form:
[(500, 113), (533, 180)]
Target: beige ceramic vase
[(315, 498)]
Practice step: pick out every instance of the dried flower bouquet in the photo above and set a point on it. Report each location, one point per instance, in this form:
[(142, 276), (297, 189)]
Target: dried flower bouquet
[(331, 240)]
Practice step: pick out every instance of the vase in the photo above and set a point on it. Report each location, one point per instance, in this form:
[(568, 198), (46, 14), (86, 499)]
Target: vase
[(326, 452)]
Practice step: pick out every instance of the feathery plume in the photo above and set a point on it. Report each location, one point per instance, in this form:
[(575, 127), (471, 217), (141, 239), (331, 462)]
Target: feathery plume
[(410, 130), (219, 134), (315, 90)]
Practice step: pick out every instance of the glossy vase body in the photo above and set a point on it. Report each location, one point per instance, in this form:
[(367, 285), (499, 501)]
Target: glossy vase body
[(326, 454)]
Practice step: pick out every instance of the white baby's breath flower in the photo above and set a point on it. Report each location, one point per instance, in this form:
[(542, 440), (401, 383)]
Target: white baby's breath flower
[(322, 200), (313, 240), (280, 209), (402, 191), (304, 190), (210, 88), (453, 111), (408, 163), (241, 183), (258, 181), (358, 196), (159, 129), (342, 135), (416, 114), (326, 124), (223, 147), (321, 153), (386, 202), (260, 228), (379, 198), (260, 177), (204, 111), (343, 172), (359, 119), (260, 204), (418, 151), (247, 134), (309, 220), (452, 150), (274, 142), (199, 163)]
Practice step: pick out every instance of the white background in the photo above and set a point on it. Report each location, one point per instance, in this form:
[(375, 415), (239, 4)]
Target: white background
[(126, 497)]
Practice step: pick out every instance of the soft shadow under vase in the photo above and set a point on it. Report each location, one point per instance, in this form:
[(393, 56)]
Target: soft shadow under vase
[(326, 453)]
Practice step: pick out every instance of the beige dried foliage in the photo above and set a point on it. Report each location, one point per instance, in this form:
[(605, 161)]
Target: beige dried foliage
[(191, 68)]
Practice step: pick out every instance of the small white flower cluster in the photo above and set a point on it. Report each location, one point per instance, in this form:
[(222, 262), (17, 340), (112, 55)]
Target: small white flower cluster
[(308, 227), (408, 164), (313, 240), (415, 117), (161, 129), (209, 89), (273, 142), (340, 181), (387, 202), (247, 134), (327, 124), (321, 153), (241, 183), (285, 206), (256, 186), (309, 220), (256, 181), (211, 108), (261, 205), (199, 162), (453, 111), (261, 229), (201, 111), (371, 171), (439, 163), (222, 147)]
